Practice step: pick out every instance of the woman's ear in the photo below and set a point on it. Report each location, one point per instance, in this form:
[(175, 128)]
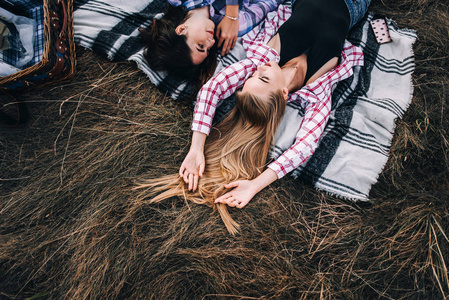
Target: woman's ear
[(181, 29), (285, 93)]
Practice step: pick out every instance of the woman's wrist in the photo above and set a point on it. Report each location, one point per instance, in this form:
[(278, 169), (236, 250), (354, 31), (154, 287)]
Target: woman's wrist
[(232, 12), (232, 18), (264, 179), (198, 141)]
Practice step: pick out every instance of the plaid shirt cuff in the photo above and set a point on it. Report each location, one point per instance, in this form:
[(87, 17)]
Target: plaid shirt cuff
[(201, 126), (232, 2), (278, 169)]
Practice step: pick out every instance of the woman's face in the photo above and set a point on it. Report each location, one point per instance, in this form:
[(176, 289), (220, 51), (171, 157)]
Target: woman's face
[(200, 37), (267, 79)]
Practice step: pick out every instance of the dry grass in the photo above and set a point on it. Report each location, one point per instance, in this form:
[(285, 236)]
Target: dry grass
[(71, 229)]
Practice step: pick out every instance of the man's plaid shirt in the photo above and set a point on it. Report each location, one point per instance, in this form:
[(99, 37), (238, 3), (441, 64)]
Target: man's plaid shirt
[(314, 98)]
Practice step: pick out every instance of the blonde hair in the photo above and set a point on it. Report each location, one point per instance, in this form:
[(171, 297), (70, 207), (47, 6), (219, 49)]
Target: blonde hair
[(237, 149)]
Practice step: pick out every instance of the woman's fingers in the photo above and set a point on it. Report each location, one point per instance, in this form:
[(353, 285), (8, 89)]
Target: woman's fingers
[(191, 178), (223, 49), (190, 181), (195, 182), (234, 41), (222, 198), (201, 170), (233, 202), (227, 46), (218, 38), (186, 176), (230, 201), (232, 184)]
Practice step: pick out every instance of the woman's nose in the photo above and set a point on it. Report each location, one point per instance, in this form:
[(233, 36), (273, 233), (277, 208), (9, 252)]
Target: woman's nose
[(260, 68), (211, 41)]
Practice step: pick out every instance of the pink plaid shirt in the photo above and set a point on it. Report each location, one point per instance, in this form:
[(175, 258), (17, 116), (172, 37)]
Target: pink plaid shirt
[(315, 97)]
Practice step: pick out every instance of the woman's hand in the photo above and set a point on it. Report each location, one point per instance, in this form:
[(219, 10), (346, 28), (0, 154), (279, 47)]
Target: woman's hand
[(243, 192), (228, 30), (192, 167)]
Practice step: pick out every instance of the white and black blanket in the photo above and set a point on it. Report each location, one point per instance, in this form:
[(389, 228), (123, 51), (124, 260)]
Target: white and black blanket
[(356, 142)]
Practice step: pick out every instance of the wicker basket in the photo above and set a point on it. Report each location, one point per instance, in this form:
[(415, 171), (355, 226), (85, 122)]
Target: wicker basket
[(58, 60)]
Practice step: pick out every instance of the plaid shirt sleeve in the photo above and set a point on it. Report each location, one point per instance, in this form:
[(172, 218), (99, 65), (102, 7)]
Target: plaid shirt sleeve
[(232, 2), (264, 31), (316, 98), (254, 12), (190, 4), (225, 83), (228, 80)]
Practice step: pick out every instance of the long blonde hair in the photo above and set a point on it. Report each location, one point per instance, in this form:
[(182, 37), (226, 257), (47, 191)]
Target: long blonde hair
[(237, 149)]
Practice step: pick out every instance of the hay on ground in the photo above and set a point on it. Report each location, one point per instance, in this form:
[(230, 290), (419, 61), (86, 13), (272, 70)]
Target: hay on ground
[(70, 227)]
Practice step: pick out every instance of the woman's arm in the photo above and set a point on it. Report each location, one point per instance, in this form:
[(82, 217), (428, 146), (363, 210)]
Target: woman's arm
[(316, 115), (225, 83), (237, 22), (317, 98), (192, 167), (256, 11), (215, 90), (221, 86), (244, 190), (228, 29)]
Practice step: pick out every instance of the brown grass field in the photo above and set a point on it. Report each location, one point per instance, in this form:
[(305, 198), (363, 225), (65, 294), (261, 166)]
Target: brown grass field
[(70, 227)]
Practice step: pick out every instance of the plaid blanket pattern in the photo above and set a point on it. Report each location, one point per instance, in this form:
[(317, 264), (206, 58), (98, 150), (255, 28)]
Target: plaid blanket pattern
[(355, 145), (32, 9)]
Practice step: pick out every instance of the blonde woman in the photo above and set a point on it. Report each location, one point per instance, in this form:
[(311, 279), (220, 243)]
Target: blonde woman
[(237, 148), (303, 59), (306, 77)]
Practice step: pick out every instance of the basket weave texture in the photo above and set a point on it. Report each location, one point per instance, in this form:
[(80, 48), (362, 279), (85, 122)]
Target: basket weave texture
[(58, 61)]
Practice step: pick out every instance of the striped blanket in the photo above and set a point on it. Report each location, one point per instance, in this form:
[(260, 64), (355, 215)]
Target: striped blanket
[(355, 145), (356, 141)]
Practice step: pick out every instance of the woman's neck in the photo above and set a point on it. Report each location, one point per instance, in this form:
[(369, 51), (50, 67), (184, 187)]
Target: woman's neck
[(295, 72), (201, 12)]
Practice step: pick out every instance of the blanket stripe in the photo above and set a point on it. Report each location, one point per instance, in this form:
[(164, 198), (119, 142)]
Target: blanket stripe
[(356, 141)]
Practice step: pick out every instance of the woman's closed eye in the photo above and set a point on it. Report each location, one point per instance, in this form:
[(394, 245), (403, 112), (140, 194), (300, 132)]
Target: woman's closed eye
[(201, 47), (264, 79)]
